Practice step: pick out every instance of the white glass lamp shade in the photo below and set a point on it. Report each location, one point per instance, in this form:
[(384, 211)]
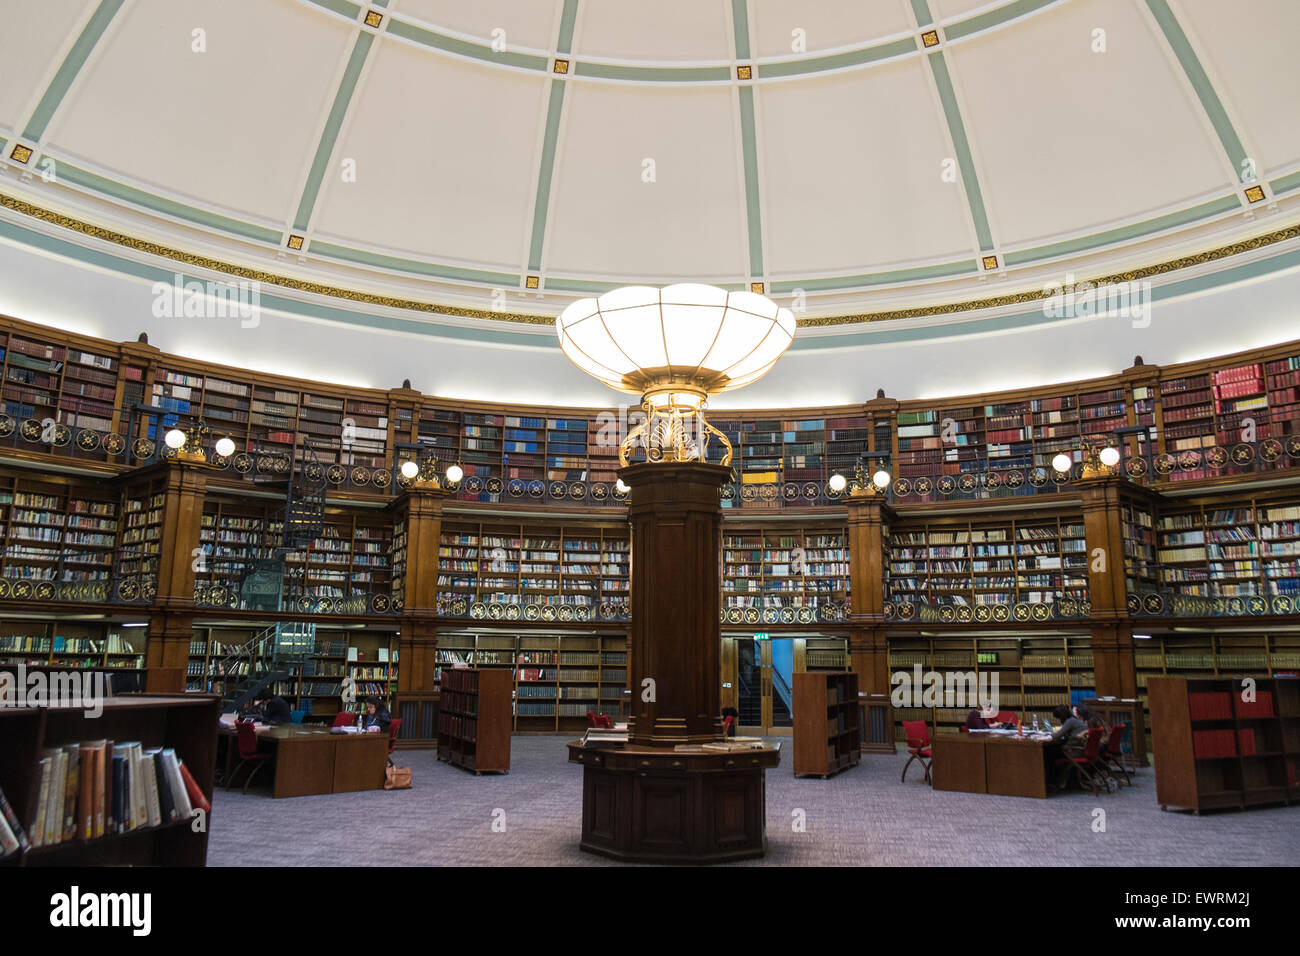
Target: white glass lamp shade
[(678, 344), (410, 469), (881, 479), (175, 438), (455, 473), (1062, 462), (838, 483), (225, 447), (1110, 457)]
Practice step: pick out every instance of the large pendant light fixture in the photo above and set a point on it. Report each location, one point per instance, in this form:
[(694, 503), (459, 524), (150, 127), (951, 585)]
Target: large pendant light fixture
[(675, 347)]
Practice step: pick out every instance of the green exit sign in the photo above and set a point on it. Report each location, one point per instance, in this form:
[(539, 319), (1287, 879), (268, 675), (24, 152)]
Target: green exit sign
[(762, 636)]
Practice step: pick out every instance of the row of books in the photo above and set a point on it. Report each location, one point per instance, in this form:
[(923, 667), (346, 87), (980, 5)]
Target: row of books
[(100, 788), (1220, 743)]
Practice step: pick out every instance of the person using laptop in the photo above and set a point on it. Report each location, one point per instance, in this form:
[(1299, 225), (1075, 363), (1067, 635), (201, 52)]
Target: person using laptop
[(984, 718)]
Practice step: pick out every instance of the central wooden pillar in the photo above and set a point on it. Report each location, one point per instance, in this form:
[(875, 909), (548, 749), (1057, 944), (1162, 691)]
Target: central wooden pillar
[(676, 519), (664, 798)]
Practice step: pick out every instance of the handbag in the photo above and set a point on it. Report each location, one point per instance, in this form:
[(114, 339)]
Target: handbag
[(397, 778)]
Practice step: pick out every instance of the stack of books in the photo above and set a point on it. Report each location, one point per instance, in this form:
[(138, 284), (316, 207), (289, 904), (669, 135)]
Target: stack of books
[(605, 737)]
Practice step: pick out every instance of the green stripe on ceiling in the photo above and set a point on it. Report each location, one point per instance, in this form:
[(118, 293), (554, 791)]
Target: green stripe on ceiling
[(654, 74), (68, 173), (866, 336), (1180, 217), (379, 3), (1210, 101), (345, 7), (69, 68), (1002, 323), (974, 197), (273, 301), (941, 270), (871, 54), (1284, 184), (3, 143), (921, 10), (985, 21), (567, 19), (753, 206), (330, 134), (740, 23), (460, 47), (545, 174), (398, 264)]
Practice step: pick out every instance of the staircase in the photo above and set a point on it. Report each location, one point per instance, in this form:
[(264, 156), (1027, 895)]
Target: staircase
[(278, 653), (304, 507)]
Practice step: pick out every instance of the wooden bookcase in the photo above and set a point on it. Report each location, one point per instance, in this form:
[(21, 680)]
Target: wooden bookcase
[(556, 678), (532, 572), (827, 723), (786, 568), (1214, 750), (950, 561), (187, 724), (57, 536), (474, 719), (1035, 673)]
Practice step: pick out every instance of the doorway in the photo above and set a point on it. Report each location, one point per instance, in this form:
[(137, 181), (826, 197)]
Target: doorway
[(758, 677)]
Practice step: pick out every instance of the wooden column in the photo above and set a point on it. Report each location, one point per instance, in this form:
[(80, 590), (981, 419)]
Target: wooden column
[(171, 622), (676, 519), (421, 506), (869, 516), (1114, 666)]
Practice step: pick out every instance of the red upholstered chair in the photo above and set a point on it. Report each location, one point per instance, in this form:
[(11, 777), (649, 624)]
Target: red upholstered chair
[(344, 719), (728, 726), (248, 753), (1005, 717), (918, 745), (393, 727), (592, 719), (1112, 754), (1089, 768)]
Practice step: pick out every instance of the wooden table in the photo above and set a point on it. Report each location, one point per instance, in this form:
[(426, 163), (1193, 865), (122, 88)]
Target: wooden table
[(311, 760), (990, 763)]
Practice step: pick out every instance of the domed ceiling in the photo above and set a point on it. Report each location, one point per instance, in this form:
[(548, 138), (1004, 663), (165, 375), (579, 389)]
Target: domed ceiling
[(479, 163)]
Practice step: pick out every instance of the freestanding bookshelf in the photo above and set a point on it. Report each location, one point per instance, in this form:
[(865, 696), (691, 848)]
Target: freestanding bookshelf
[(187, 724), (1213, 749), (474, 720), (827, 723)]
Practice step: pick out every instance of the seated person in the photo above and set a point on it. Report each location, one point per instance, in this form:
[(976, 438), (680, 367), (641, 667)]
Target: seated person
[(1068, 741), (272, 709), (375, 716), (985, 718)]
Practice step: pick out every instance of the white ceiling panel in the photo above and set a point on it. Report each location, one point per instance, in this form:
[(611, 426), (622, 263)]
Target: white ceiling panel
[(232, 127), (688, 223), (826, 24), (441, 174), (852, 167), (533, 24), (31, 53), (1070, 139), (663, 30), (1250, 53)]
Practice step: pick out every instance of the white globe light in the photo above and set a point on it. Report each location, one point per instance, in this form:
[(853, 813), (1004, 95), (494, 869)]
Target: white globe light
[(174, 438), (1062, 462), (881, 479), (685, 341), (621, 488), (838, 482), (225, 447), (455, 473), (410, 469), (1110, 457)]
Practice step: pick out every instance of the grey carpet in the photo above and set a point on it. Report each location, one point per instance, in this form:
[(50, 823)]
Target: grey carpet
[(863, 816)]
